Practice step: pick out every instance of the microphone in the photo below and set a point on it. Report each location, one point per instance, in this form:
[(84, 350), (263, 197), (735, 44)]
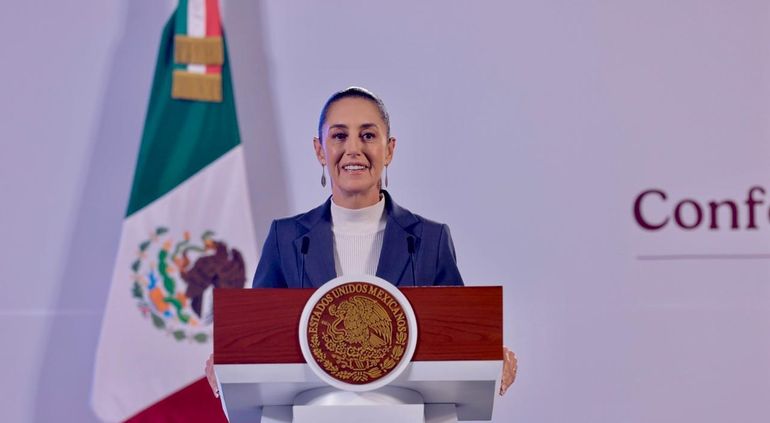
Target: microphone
[(303, 250), (410, 249)]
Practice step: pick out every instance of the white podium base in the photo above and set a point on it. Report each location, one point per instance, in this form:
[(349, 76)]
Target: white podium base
[(440, 413), (434, 413), (385, 405), (404, 413)]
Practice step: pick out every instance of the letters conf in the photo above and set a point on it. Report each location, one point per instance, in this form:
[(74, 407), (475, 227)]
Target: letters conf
[(689, 214)]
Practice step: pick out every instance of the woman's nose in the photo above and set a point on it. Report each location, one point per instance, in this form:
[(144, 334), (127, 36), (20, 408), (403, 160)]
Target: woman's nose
[(353, 147)]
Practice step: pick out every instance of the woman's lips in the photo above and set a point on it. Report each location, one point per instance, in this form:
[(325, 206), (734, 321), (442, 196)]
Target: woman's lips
[(355, 168)]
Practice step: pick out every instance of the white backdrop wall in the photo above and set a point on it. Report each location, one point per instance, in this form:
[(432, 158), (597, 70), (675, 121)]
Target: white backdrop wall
[(530, 127), (75, 82)]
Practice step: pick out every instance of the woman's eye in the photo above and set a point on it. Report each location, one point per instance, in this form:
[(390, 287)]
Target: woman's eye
[(339, 136), (368, 136)]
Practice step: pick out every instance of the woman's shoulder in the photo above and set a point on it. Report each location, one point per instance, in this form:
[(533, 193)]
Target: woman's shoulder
[(306, 219), (408, 219), (428, 222)]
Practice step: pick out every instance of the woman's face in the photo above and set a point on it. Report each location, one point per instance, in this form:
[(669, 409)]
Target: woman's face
[(356, 148)]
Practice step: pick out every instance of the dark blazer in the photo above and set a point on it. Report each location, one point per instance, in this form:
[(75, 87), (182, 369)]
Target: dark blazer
[(434, 254)]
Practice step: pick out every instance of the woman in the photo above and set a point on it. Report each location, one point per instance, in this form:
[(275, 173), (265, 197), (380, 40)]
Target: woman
[(360, 229)]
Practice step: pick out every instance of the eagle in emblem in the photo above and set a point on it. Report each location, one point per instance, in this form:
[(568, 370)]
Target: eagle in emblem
[(360, 321), (218, 266)]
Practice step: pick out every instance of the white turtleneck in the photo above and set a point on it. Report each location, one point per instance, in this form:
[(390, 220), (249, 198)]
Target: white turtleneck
[(358, 236)]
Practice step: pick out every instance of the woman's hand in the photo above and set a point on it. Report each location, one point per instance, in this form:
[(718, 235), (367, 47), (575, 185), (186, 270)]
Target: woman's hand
[(510, 365), (211, 376)]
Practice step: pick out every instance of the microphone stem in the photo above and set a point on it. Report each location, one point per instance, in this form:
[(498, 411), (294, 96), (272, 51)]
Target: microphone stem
[(414, 279), (302, 273)]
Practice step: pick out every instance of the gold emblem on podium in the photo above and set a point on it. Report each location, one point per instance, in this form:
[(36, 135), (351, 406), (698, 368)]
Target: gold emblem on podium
[(357, 332)]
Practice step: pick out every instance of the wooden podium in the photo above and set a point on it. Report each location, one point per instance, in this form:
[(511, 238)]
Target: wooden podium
[(456, 366)]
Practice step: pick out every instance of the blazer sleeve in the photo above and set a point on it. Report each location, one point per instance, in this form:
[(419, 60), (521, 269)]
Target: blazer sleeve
[(269, 273), (447, 272)]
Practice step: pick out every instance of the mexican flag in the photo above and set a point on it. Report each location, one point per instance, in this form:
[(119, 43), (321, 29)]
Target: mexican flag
[(187, 230)]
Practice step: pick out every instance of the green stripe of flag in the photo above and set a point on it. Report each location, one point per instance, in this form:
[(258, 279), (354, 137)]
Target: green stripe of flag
[(180, 26), (180, 137)]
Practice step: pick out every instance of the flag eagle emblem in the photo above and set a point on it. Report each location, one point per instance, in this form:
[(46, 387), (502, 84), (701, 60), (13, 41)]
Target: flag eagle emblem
[(173, 279)]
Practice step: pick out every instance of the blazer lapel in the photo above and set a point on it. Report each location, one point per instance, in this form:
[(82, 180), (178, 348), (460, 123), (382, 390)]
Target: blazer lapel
[(394, 257), (319, 261)]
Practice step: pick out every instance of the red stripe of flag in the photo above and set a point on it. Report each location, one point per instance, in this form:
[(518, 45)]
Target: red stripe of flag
[(213, 28), (194, 403)]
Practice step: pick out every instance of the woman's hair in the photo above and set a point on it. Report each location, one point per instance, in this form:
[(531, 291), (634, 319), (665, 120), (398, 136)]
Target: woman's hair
[(354, 92)]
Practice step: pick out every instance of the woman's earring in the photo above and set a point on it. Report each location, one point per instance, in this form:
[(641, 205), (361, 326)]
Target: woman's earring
[(323, 176), (386, 176)]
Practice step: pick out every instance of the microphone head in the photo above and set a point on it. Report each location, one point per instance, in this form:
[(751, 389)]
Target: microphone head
[(305, 245), (410, 244)]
